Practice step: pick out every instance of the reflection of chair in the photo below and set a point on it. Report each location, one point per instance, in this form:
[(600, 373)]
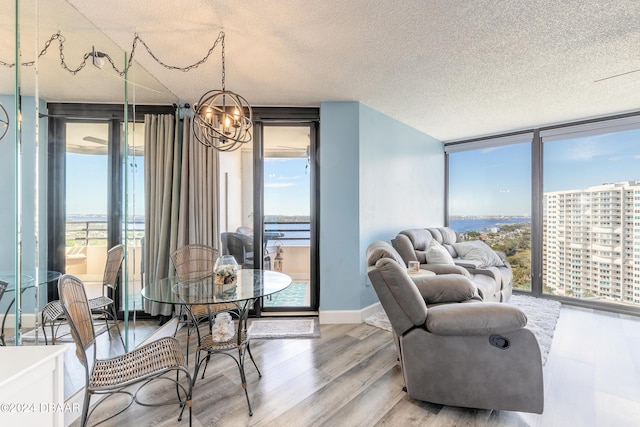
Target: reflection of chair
[(3, 288), (114, 375), (192, 263), (103, 305), (240, 246)]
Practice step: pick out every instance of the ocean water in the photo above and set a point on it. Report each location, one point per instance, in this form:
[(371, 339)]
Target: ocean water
[(483, 224)]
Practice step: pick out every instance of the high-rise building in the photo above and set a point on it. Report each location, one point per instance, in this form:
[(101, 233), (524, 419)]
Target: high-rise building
[(591, 242)]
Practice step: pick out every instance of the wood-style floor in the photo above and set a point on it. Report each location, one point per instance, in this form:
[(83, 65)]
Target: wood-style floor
[(350, 377)]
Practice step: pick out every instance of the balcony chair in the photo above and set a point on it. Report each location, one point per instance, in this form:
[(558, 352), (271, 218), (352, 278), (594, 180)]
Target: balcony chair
[(3, 288), (115, 375), (240, 246), (453, 349), (103, 305)]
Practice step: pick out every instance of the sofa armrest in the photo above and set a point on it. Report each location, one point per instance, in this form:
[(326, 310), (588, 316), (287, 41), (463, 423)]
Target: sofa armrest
[(484, 318), (467, 263), (445, 288), (488, 271), (445, 269)]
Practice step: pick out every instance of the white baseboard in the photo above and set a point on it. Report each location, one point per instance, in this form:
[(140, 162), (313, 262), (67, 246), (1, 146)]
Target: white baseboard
[(348, 316)]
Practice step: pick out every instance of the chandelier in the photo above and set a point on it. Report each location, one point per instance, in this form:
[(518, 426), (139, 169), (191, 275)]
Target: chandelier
[(222, 119), (4, 122)]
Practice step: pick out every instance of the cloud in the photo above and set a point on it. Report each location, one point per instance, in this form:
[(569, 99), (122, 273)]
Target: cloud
[(279, 184)]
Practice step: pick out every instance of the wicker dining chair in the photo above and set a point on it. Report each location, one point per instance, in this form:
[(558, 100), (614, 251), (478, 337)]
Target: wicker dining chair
[(115, 375), (104, 305), (192, 263)]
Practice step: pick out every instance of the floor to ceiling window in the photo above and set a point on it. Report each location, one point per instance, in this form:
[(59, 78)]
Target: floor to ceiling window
[(564, 207), (591, 215), (490, 199)]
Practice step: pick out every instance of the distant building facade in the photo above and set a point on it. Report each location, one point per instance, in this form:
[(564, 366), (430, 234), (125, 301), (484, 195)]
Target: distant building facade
[(591, 242)]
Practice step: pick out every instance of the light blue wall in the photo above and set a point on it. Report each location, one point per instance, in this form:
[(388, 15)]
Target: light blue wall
[(378, 176), (339, 206)]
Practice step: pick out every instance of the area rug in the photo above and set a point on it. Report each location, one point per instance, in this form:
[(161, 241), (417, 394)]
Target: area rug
[(300, 327), (63, 333), (542, 316), (292, 296)]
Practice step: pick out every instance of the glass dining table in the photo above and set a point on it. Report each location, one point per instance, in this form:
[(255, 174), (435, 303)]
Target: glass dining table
[(27, 282), (249, 286)]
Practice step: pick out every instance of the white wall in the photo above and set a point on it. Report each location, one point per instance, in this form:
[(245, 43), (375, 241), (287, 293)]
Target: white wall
[(377, 177), (231, 214)]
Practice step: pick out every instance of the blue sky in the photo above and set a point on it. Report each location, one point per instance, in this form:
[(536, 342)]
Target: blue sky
[(87, 184), (494, 181), (497, 181), (287, 186)]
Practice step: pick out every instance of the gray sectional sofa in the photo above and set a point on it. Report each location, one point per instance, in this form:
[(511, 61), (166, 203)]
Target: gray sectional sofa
[(439, 249)]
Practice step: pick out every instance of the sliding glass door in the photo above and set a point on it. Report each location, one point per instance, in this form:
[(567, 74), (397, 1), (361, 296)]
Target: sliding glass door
[(87, 194), (287, 189)]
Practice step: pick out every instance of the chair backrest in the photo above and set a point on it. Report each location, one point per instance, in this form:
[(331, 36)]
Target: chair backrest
[(397, 293), (194, 262), (3, 287), (240, 246), (115, 256), (73, 298)]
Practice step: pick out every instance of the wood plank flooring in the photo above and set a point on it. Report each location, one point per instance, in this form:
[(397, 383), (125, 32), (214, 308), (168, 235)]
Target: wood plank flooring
[(350, 377)]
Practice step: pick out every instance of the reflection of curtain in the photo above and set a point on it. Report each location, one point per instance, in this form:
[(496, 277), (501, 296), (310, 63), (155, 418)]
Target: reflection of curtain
[(199, 212), (161, 177)]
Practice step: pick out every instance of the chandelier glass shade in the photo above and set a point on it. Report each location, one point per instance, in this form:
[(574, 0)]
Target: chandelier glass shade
[(222, 120), (4, 122)]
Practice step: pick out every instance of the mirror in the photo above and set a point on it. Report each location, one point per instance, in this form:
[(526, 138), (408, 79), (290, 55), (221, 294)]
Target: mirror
[(25, 172)]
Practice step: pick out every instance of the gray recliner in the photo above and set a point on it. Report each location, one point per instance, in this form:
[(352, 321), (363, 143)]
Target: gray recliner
[(455, 350)]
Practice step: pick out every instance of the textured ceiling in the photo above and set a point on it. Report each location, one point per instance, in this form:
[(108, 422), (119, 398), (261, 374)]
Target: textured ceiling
[(450, 68)]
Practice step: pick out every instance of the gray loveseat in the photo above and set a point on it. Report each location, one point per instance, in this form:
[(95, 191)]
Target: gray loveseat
[(487, 269), (472, 354)]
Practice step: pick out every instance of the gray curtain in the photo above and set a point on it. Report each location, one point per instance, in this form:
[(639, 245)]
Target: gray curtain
[(199, 194), (162, 185), (181, 196)]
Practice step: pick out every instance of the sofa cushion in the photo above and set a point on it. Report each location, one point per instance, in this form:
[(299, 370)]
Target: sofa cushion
[(419, 237), (437, 254), (480, 251)]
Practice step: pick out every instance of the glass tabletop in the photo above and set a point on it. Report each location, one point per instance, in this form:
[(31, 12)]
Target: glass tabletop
[(28, 281), (250, 284)]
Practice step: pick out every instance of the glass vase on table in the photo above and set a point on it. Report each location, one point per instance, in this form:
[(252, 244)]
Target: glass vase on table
[(225, 277)]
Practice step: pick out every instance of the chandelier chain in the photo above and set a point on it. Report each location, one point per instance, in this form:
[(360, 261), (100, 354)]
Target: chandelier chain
[(223, 73), (60, 38)]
